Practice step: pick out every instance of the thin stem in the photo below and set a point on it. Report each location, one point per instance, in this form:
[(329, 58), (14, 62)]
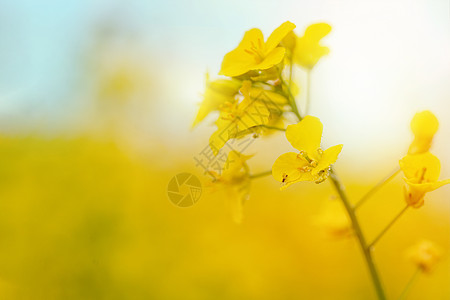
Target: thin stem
[(375, 189), (308, 90), (291, 99), (359, 234), (262, 174), (356, 227), (290, 69), (380, 235), (273, 127), (410, 284)]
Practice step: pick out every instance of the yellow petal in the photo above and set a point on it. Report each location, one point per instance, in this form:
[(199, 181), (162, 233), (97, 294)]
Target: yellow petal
[(236, 161), (269, 97), (428, 186), (286, 169), (273, 57), (252, 38), (424, 167), (424, 124), (238, 61), (226, 130), (306, 135), (329, 157), (277, 35), (420, 145), (289, 41), (254, 113), (317, 31), (217, 93), (308, 51)]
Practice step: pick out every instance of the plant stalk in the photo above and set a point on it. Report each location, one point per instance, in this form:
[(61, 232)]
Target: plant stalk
[(359, 234), (380, 235), (378, 186)]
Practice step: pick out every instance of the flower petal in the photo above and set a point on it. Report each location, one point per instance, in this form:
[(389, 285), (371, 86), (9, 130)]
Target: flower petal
[(308, 51), (286, 169), (277, 35), (217, 93), (329, 157), (426, 187), (238, 61), (236, 162), (425, 167), (317, 31), (424, 124), (227, 129), (273, 58), (252, 38), (305, 135)]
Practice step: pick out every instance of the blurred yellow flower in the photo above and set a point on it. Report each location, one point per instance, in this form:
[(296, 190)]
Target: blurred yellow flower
[(237, 118), (312, 163), (425, 255), (217, 93), (254, 54), (424, 125), (235, 180), (334, 220), (307, 50), (421, 176)]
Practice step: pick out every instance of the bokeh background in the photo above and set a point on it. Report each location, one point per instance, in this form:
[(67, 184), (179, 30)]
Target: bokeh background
[(96, 104)]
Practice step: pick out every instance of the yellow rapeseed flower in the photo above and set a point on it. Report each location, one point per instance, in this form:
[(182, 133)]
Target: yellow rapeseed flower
[(235, 180), (238, 118), (218, 92), (255, 54), (424, 125), (308, 50), (421, 176), (312, 163), (425, 255)]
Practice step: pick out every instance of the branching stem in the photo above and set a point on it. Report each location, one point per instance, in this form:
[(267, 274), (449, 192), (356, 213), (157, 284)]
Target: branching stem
[(308, 90), (380, 235), (375, 189), (410, 284), (273, 127), (351, 213), (259, 175), (359, 234)]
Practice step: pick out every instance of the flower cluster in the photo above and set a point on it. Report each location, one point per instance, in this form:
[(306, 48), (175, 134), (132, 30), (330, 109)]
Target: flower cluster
[(255, 99), (420, 167), (258, 97)]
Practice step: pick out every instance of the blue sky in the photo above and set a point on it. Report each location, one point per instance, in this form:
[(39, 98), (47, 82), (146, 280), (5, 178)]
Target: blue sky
[(388, 58)]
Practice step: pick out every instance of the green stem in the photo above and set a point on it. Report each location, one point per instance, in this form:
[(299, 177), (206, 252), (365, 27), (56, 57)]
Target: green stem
[(380, 235), (273, 127), (376, 188), (355, 224), (410, 284), (290, 69), (308, 90), (359, 234), (262, 174), (291, 99)]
